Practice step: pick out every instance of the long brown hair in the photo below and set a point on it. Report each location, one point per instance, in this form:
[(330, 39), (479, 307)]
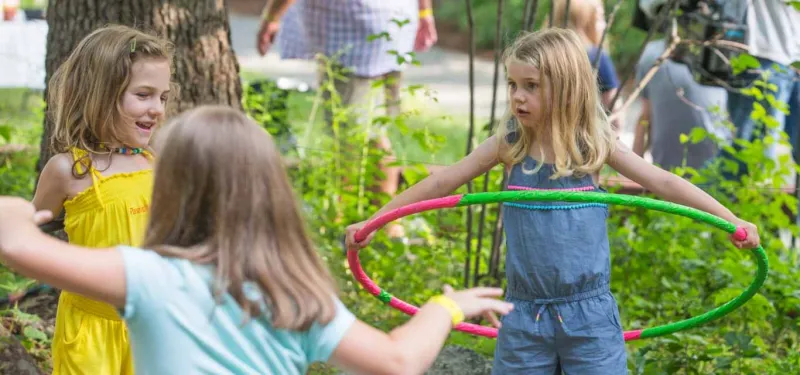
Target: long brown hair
[(573, 119), (85, 92), (221, 196)]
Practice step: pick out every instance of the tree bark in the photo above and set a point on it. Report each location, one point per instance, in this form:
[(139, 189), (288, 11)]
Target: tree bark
[(205, 66)]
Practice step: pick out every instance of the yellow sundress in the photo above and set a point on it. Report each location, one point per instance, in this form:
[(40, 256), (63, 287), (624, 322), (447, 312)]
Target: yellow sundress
[(90, 337)]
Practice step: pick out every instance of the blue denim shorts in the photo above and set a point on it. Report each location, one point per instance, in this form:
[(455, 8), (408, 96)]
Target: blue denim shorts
[(576, 335)]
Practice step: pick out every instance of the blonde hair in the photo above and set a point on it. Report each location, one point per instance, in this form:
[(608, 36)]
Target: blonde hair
[(582, 18), (573, 120), (221, 196), (85, 92)]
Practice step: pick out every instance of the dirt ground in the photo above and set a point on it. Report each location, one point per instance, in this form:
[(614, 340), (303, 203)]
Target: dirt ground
[(15, 357)]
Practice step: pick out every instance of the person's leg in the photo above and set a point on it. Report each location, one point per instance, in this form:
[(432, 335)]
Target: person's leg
[(741, 106), (525, 345), (354, 94), (591, 341), (391, 92), (792, 126), (782, 77)]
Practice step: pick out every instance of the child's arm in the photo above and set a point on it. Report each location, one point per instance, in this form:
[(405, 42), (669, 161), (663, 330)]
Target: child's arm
[(641, 139), (676, 189), (51, 192), (412, 347), (441, 183), (97, 273)]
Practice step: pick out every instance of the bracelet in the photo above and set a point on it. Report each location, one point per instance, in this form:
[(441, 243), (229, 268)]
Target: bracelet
[(424, 13), (451, 306)]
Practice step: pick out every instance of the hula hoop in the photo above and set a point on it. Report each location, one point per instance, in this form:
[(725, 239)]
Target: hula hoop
[(565, 196)]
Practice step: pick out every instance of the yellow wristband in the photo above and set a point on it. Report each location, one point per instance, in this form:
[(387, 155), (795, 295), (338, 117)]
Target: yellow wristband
[(451, 306), (423, 13)]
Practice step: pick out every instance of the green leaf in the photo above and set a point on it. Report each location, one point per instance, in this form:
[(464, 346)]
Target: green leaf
[(400, 23), (795, 4), (772, 87), (753, 91), (684, 138), (34, 334), (743, 62), (5, 132), (698, 134), (382, 35), (759, 112)]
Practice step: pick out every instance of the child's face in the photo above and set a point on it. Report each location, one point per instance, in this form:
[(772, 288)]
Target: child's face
[(524, 92), (144, 99)]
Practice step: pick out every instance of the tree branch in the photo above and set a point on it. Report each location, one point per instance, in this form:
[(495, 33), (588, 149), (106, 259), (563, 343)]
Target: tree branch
[(609, 22), (674, 43), (675, 40)]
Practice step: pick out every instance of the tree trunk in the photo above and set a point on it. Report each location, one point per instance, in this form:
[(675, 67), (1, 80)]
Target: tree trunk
[(205, 66)]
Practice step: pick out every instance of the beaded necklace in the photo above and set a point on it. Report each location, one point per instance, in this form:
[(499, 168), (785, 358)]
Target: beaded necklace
[(125, 150)]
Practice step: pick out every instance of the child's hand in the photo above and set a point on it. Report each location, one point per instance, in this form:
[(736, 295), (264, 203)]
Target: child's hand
[(480, 301), (266, 36), (17, 211), (350, 240), (752, 240)]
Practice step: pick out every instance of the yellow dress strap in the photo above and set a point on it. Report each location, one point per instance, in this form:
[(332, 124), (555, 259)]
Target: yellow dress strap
[(79, 156), (148, 155)]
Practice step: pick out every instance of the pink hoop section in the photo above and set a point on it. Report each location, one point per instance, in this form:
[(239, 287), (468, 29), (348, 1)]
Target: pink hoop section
[(632, 335), (405, 307), (370, 286), (740, 234), (397, 213)]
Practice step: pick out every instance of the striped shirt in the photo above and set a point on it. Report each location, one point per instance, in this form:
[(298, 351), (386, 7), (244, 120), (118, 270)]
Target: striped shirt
[(366, 36)]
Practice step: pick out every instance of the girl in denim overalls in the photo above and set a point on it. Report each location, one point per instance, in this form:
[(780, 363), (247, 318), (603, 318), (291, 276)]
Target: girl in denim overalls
[(556, 136)]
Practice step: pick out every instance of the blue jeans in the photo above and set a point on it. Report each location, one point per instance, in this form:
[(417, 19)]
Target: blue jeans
[(740, 107), (793, 119)]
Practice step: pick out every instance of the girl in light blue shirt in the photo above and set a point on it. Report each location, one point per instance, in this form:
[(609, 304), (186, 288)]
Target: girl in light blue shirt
[(229, 282)]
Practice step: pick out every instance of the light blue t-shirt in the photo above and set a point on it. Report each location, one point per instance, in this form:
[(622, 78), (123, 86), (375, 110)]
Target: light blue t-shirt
[(175, 326)]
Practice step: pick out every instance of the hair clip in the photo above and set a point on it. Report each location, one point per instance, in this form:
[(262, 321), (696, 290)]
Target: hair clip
[(133, 46)]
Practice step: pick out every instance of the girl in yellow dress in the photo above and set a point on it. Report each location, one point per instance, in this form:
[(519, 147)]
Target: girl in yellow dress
[(106, 100)]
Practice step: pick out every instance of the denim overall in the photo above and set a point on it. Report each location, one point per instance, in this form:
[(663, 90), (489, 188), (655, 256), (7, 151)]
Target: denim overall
[(558, 271)]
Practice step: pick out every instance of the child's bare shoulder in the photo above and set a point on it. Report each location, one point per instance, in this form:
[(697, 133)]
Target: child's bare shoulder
[(59, 167)]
